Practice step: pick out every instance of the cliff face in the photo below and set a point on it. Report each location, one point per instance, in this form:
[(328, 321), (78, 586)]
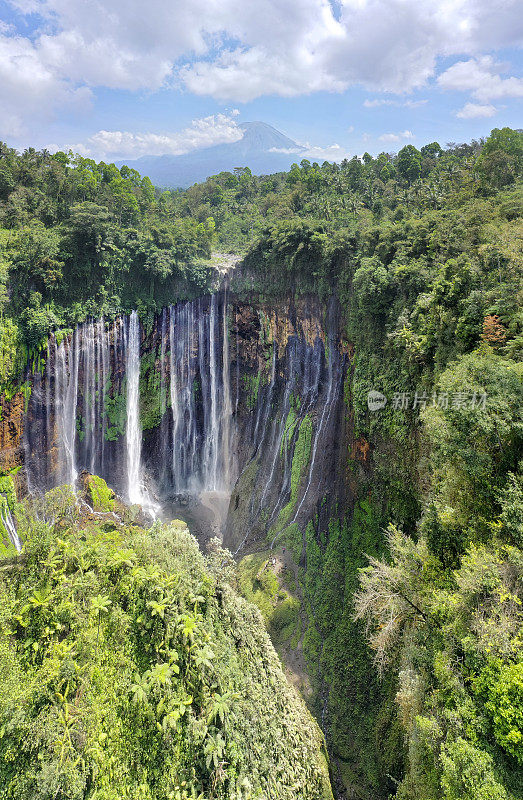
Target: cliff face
[(293, 432), (302, 511), (11, 430)]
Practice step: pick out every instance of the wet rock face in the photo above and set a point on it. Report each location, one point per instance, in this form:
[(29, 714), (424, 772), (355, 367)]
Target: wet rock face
[(11, 431), (292, 431)]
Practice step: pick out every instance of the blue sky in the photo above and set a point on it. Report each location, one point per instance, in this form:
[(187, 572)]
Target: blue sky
[(127, 78)]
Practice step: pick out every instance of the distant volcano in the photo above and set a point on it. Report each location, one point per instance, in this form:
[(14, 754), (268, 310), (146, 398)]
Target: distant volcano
[(262, 148)]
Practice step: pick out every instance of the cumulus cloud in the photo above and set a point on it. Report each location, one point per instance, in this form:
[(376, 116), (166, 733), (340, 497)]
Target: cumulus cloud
[(205, 132), (29, 89), (333, 152), (396, 137), (378, 102), (239, 51), (475, 110), (482, 78)]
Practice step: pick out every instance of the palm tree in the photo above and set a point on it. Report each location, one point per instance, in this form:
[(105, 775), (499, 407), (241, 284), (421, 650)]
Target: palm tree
[(99, 604)]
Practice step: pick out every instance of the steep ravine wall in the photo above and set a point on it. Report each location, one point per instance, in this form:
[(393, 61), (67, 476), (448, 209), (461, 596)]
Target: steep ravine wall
[(314, 554), (303, 510)]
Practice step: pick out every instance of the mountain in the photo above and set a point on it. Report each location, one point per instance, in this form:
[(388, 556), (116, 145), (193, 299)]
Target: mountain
[(262, 148)]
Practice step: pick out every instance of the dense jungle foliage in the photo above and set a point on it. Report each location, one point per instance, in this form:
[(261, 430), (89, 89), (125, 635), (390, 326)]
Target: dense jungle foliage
[(424, 250), (428, 265), (79, 238), (131, 668), (425, 253)]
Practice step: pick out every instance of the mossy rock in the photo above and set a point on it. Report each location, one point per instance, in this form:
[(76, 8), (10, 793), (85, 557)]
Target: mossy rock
[(7, 490), (178, 524), (99, 496), (259, 584)]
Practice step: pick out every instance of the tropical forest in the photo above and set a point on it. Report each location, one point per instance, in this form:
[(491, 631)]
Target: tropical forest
[(261, 478)]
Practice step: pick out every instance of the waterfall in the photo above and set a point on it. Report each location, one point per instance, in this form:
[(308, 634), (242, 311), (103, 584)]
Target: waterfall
[(334, 380), (6, 518), (67, 362), (85, 407), (76, 376), (264, 408), (227, 402), (176, 459), (89, 394), (280, 430), (211, 465), (201, 409), (133, 431), (102, 342), (164, 424)]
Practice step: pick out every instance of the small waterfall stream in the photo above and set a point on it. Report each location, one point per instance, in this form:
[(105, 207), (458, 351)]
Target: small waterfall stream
[(6, 518)]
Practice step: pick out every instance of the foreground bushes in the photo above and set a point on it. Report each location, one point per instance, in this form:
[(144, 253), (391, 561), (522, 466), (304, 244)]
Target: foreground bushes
[(130, 669)]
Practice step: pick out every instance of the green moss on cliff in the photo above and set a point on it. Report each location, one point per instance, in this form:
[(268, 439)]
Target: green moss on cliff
[(251, 385), (364, 731), (264, 582), (300, 461), (150, 395), (116, 413)]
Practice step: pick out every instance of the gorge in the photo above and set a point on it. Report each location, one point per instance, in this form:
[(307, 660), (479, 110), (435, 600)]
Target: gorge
[(261, 527), (230, 415)]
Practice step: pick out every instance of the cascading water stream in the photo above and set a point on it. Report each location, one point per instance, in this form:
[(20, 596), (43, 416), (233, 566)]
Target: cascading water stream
[(333, 385), (201, 408), (133, 429), (6, 518), (280, 429), (311, 368), (227, 402), (67, 361), (211, 461)]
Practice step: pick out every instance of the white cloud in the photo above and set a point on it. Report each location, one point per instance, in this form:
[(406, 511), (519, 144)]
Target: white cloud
[(333, 152), (377, 103), (475, 110), (287, 151), (396, 103), (205, 132), (396, 137), (239, 51), (481, 77), (29, 89)]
